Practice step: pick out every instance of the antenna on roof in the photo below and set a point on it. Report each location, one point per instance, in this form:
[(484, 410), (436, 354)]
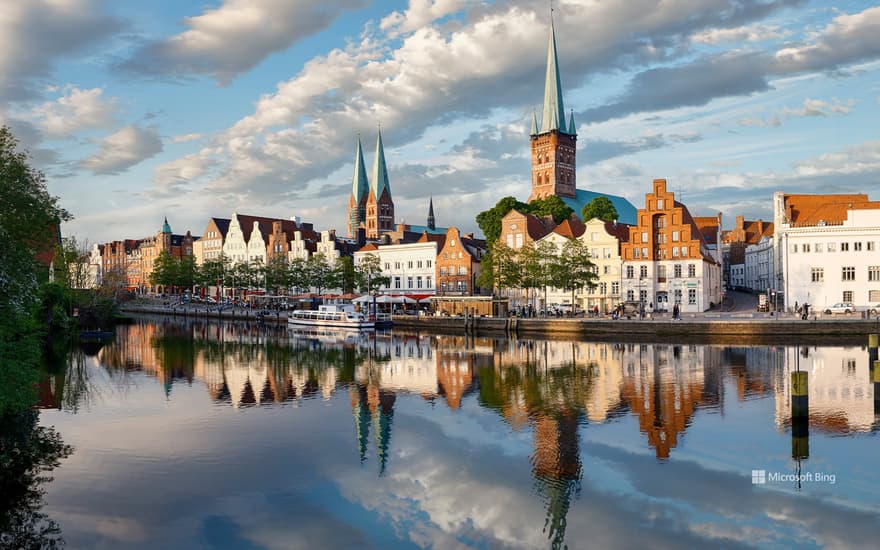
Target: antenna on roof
[(680, 194)]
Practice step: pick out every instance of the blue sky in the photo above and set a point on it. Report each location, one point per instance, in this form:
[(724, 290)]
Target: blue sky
[(139, 110)]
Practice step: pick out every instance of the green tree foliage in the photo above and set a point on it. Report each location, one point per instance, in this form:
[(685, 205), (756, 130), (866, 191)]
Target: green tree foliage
[(490, 220), (277, 274), (164, 270), (345, 274), (298, 275), (213, 271), (29, 217), (72, 264), (601, 208), (368, 273), (550, 206), (321, 275), (571, 269)]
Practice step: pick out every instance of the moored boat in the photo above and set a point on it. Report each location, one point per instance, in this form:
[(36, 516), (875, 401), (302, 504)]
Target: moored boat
[(342, 316)]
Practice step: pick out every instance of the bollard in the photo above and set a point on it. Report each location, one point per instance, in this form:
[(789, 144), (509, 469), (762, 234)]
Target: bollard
[(800, 421), (873, 341), (877, 388)]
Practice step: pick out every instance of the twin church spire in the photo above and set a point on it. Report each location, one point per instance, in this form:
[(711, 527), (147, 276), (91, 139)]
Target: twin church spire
[(370, 206)]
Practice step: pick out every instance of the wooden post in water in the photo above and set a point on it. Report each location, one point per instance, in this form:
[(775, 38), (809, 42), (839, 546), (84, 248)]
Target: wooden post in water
[(873, 341), (876, 388), (800, 420)]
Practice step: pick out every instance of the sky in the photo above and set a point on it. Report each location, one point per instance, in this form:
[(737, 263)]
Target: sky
[(191, 109)]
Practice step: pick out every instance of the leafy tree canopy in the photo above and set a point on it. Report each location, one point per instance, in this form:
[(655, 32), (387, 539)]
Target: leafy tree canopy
[(490, 220), (600, 207)]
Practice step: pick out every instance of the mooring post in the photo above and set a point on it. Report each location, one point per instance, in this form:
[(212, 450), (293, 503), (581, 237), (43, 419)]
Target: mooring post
[(800, 416)]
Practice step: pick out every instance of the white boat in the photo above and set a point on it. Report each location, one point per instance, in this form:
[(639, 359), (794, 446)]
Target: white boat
[(342, 316)]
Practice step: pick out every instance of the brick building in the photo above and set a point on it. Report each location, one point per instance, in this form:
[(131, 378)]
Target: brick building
[(458, 264), (667, 259)]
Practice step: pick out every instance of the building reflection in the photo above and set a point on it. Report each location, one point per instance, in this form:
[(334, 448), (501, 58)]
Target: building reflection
[(554, 389)]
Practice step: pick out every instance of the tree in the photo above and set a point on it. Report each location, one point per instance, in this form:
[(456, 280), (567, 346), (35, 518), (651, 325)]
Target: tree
[(601, 208), (213, 271), (72, 268), (550, 206), (187, 272), (277, 274), (572, 269), (321, 274), (164, 270), (369, 274), (297, 275), (490, 220), (345, 274)]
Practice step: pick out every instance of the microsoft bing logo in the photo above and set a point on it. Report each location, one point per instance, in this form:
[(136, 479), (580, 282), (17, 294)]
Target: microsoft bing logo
[(759, 477)]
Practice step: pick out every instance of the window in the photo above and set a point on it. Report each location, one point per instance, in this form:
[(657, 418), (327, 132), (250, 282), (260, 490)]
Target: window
[(615, 288), (817, 274), (675, 235), (462, 286), (606, 270), (428, 282), (428, 263), (606, 252), (661, 273), (857, 247), (848, 274), (676, 271), (410, 264), (659, 204), (644, 237), (832, 247), (874, 273), (870, 246), (630, 272), (509, 240), (594, 236), (847, 295), (462, 270), (442, 287), (643, 295), (692, 270), (643, 271), (519, 240), (684, 252), (420, 264), (396, 265), (644, 252), (675, 252), (692, 296), (409, 282), (844, 247), (418, 282), (442, 271), (630, 295), (806, 247), (818, 247), (603, 288), (793, 249), (678, 296), (397, 282), (637, 253)]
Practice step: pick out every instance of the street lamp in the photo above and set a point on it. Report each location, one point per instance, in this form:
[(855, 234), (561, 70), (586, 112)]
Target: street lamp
[(641, 297)]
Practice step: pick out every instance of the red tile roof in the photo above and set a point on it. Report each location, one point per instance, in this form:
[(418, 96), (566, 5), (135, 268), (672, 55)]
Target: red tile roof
[(832, 209), (571, 228)]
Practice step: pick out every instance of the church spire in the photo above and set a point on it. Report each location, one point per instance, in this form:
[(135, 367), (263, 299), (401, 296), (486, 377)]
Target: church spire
[(553, 117), (380, 170), (359, 184), (165, 227), (572, 129), (534, 131), (431, 224)]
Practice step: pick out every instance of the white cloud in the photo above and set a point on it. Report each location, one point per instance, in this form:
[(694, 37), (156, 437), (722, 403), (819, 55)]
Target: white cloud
[(185, 138), (847, 39), (760, 122), (35, 32), (861, 159), (749, 33), (418, 14), (817, 107), (123, 149), (236, 36), (75, 111)]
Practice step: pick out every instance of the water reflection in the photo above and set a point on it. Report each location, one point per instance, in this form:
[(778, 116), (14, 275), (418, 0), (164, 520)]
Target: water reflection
[(553, 396), (27, 452)]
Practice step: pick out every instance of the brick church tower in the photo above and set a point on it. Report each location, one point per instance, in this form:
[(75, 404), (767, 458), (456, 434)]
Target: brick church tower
[(553, 146), (380, 208)]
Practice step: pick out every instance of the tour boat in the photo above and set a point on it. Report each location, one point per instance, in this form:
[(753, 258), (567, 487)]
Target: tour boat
[(342, 316)]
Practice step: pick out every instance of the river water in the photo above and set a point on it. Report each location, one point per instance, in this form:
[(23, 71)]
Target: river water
[(195, 434)]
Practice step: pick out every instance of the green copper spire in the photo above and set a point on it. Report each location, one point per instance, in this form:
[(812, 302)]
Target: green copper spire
[(380, 171), (553, 117), (359, 184), (534, 131), (165, 227), (572, 129)]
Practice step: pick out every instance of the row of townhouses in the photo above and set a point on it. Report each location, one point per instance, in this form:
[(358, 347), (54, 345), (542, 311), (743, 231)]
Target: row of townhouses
[(819, 249)]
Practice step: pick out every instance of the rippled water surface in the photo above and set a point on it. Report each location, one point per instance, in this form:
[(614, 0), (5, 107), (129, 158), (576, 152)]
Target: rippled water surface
[(210, 435)]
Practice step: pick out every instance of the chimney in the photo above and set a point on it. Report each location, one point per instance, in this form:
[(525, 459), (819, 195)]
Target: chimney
[(295, 219), (740, 222), (760, 226)]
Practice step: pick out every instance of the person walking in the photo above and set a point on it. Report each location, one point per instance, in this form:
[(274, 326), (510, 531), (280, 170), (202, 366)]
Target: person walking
[(675, 312)]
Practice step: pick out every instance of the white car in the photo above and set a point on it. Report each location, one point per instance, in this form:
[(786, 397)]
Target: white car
[(873, 309), (841, 307)]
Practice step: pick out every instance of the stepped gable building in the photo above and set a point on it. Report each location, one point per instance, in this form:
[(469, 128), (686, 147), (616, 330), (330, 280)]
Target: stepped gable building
[(733, 249), (667, 259), (554, 149), (212, 240)]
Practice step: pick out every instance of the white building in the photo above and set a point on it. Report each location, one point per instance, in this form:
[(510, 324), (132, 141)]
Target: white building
[(410, 266), (759, 265), (826, 248)]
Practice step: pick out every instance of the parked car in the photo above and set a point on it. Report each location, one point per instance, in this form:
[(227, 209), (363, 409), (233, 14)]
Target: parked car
[(209, 300), (841, 307), (873, 309)]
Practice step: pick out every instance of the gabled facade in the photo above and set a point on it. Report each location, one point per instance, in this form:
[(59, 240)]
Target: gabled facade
[(667, 259), (604, 240), (518, 229), (213, 239), (458, 264), (734, 243)]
